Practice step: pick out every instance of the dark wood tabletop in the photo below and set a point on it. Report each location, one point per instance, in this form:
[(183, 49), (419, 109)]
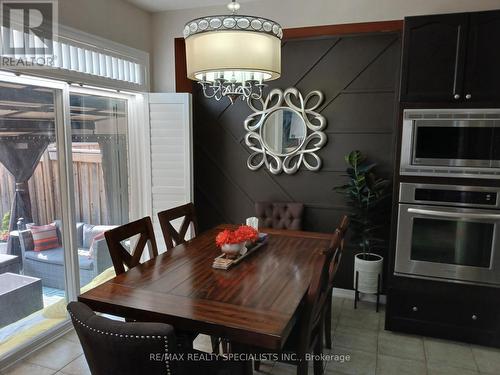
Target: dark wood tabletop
[(254, 303)]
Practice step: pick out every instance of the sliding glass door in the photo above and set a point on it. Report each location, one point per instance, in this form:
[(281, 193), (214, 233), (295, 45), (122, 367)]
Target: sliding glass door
[(32, 238), (100, 169), (64, 180)]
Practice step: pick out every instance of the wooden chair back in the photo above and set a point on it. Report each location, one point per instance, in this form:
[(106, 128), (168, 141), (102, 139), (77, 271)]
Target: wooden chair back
[(312, 317), (170, 234), (119, 255), (337, 244)]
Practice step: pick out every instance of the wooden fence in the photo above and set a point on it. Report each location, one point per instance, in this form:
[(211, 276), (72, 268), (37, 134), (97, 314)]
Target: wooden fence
[(90, 195)]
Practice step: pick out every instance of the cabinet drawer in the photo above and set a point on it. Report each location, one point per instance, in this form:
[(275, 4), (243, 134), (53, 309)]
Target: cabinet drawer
[(444, 311)]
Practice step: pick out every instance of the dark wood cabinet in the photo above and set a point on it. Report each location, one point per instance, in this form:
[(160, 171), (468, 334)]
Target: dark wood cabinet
[(451, 58), (482, 72), (445, 311)]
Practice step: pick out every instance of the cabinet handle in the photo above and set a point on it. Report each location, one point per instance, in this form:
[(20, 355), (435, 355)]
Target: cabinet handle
[(468, 96), (414, 308), (474, 317), (456, 96)]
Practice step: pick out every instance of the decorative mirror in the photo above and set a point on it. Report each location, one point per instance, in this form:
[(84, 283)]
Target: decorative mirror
[(285, 131)]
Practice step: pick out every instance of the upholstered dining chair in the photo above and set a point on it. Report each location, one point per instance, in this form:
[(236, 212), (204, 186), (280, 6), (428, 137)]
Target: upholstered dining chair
[(337, 243), (307, 335), (118, 348), (120, 256), (170, 234), (280, 215)]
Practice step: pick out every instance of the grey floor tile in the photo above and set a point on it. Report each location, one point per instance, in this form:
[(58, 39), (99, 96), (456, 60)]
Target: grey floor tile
[(402, 346), (24, 368), (355, 338), (387, 365), (355, 362), (487, 359), (71, 336), (359, 319), (56, 355), (77, 367), (449, 353), (439, 369), (266, 367), (203, 343)]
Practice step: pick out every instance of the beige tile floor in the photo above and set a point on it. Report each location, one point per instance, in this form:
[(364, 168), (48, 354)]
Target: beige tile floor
[(358, 333)]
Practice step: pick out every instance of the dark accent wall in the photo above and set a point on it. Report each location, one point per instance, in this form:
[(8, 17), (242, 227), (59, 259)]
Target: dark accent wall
[(358, 75)]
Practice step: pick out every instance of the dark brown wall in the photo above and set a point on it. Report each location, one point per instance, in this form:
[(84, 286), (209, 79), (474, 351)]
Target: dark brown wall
[(358, 75)]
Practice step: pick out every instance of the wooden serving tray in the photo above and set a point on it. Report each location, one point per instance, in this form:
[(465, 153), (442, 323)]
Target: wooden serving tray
[(224, 263)]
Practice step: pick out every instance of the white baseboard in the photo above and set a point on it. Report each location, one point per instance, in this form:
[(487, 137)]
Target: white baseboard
[(349, 293)]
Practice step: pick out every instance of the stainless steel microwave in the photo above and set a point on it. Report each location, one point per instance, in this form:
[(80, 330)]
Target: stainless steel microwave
[(451, 143)]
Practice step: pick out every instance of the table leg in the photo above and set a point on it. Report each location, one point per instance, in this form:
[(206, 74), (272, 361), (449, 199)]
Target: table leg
[(246, 366)]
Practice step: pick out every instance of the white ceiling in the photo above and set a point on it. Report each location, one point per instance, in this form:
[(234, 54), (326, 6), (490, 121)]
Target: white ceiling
[(162, 5)]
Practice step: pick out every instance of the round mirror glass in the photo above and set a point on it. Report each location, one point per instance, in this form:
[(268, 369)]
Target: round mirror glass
[(283, 131)]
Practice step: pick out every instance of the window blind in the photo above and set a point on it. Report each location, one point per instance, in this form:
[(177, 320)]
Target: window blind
[(75, 56)]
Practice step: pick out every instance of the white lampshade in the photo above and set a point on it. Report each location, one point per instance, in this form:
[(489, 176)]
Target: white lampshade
[(238, 48)]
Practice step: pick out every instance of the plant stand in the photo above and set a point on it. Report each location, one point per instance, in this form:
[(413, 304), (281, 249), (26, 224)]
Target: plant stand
[(356, 292)]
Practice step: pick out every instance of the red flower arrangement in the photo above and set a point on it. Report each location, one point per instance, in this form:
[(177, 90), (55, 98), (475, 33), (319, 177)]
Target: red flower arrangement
[(242, 234)]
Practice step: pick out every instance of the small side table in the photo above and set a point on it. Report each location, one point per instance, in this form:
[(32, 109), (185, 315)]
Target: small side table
[(9, 263), (20, 296)]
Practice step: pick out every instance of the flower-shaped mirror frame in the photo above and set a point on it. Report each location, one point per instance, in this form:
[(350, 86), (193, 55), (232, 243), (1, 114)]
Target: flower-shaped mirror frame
[(305, 153)]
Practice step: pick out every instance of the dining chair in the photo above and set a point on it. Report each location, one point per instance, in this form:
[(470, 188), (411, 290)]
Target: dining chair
[(170, 234), (118, 348), (307, 334), (280, 215), (119, 254), (337, 243), (173, 238)]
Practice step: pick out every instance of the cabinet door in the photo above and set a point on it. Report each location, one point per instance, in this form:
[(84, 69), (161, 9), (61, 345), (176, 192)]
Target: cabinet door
[(433, 58), (482, 75)]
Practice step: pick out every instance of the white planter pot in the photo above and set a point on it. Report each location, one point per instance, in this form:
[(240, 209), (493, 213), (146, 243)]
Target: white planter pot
[(232, 250), (368, 270)]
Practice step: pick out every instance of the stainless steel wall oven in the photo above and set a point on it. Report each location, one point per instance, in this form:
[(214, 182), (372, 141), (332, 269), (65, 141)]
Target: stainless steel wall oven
[(451, 233), (451, 143)]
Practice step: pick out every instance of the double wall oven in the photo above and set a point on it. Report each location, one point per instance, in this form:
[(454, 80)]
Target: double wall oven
[(450, 232)]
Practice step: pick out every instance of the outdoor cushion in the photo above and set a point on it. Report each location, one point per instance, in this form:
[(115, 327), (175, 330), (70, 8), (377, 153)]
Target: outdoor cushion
[(56, 256), (44, 237), (91, 231)]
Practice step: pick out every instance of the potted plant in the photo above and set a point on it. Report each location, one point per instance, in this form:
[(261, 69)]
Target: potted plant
[(4, 230), (367, 194), (233, 243)]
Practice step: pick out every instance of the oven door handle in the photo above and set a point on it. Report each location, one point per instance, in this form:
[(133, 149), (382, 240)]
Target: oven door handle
[(454, 215)]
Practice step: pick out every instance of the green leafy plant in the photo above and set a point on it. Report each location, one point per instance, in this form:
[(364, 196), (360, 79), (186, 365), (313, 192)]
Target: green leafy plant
[(4, 230), (367, 195)]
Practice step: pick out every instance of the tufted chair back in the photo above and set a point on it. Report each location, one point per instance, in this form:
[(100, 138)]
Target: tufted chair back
[(280, 215)]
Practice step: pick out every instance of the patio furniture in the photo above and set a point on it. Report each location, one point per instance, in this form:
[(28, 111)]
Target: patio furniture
[(172, 237), (48, 265), (122, 257), (20, 296), (279, 215), (254, 304), (9, 263), (117, 348)]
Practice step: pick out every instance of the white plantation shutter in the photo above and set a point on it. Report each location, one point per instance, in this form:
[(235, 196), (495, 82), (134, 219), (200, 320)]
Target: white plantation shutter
[(171, 154), (88, 59)]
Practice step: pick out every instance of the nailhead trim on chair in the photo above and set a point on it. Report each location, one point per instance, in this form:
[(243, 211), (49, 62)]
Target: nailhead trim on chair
[(127, 336)]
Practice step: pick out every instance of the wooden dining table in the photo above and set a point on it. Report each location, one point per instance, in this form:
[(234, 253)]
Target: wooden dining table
[(253, 304)]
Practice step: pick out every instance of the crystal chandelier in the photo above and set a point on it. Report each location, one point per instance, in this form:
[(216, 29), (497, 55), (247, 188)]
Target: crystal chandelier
[(233, 55)]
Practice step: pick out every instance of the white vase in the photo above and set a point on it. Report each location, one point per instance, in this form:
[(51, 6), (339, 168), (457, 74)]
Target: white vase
[(368, 271), (232, 250)]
